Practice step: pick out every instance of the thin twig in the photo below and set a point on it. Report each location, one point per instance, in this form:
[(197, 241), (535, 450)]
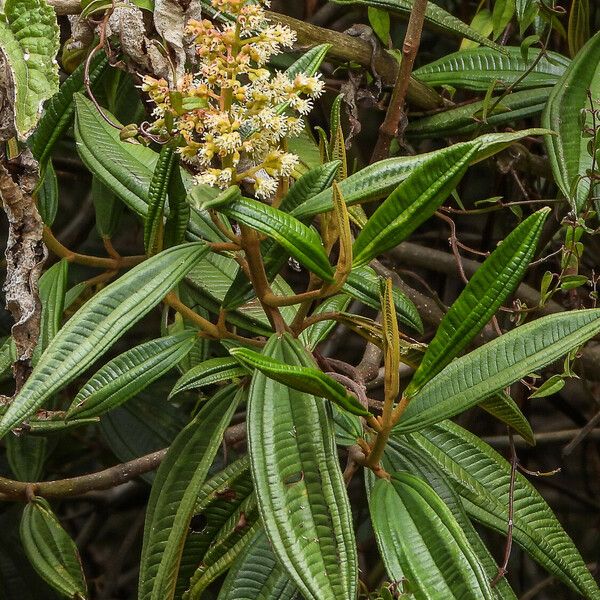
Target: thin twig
[(503, 568), (391, 124)]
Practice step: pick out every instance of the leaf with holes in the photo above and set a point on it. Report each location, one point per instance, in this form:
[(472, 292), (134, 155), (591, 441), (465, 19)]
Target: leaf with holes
[(298, 482), (174, 492)]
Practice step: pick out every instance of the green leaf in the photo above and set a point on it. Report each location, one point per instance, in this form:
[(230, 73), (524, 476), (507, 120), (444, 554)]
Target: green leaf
[(312, 336), (257, 575), (568, 151), (47, 196), (302, 242), (26, 456), (211, 280), (29, 43), (380, 179), (505, 409), (527, 11), (400, 455), (363, 285), (468, 118), (309, 185), (434, 15), (59, 111), (145, 424), (413, 202), (157, 196), (478, 68), (174, 492), (126, 168), (305, 379), (502, 15), (490, 286), (52, 290), (129, 373), (298, 482), (208, 373), (380, 22), (551, 386), (219, 499), (309, 63), (108, 209), (97, 324), (420, 540), (578, 32), (51, 551), (235, 535), (482, 477), (474, 377)]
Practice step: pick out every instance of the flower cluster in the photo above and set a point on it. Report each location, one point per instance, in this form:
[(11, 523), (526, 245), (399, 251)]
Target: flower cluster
[(232, 113)]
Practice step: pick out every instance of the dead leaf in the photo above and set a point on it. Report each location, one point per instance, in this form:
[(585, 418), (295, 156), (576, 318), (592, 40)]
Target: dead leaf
[(170, 19), (127, 24), (25, 256)]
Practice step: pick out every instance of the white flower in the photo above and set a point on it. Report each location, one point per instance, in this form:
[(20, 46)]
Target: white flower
[(265, 185)]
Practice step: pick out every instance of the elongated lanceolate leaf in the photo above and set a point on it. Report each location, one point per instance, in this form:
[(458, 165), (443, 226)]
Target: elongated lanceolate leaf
[(298, 482), (413, 202), (478, 68), (482, 477), (363, 285), (434, 14), (302, 242), (491, 285), (51, 551), (568, 151), (274, 257), (420, 540), (468, 118), (97, 324), (174, 492), (220, 498), (125, 168), (400, 455), (256, 575), (474, 377), (29, 43), (234, 536), (502, 407), (129, 373), (59, 111), (380, 179), (207, 373), (305, 379), (157, 196)]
